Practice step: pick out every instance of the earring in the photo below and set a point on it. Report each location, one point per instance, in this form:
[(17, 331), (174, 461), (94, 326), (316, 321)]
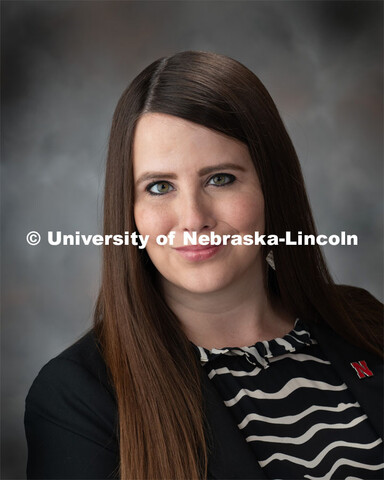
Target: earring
[(270, 260)]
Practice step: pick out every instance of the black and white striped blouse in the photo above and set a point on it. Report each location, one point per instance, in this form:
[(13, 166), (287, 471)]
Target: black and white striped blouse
[(294, 410)]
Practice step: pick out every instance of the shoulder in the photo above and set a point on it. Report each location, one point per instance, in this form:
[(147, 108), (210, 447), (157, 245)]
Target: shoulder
[(79, 365), (73, 391), (71, 417), (361, 329), (365, 314), (360, 300), (363, 318)]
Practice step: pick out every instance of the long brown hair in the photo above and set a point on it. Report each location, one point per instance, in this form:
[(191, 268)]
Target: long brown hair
[(153, 367)]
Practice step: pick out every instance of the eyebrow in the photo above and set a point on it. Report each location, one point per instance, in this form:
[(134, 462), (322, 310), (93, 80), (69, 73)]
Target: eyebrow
[(203, 171)]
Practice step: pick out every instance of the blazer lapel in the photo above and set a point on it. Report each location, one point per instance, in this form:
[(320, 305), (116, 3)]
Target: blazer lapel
[(230, 456), (368, 391)]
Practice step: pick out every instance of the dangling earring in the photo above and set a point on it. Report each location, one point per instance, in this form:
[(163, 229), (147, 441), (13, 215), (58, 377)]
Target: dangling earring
[(270, 260)]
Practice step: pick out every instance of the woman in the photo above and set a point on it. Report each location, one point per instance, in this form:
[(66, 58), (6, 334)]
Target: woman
[(216, 361)]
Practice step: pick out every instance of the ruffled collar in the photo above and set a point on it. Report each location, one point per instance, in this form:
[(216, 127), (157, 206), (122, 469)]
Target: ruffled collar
[(259, 353)]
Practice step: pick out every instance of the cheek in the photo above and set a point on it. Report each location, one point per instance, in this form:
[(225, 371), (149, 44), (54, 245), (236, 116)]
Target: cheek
[(152, 221), (245, 212)]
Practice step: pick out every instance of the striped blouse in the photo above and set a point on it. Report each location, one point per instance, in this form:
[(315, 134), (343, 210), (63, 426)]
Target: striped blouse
[(295, 412)]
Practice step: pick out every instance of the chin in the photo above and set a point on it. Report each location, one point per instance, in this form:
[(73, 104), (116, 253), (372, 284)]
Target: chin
[(199, 288), (208, 278), (204, 284)]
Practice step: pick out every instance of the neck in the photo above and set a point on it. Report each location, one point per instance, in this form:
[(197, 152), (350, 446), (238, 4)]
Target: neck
[(236, 316)]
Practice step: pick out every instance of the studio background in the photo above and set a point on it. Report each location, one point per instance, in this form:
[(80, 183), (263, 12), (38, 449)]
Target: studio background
[(65, 65)]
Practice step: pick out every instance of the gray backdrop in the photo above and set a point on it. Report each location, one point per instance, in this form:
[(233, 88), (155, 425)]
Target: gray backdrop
[(65, 65)]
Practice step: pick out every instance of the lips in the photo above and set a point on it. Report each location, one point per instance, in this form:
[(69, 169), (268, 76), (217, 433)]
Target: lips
[(198, 253), (194, 248)]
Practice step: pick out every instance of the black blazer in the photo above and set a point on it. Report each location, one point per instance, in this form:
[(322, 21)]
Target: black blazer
[(71, 415)]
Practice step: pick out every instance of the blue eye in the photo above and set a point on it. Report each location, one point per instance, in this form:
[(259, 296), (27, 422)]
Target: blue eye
[(159, 188), (221, 179)]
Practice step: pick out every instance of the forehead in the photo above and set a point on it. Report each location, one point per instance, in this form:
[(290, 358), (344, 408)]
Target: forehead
[(162, 139)]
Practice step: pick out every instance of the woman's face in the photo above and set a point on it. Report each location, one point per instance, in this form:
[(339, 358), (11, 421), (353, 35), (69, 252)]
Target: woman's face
[(189, 178)]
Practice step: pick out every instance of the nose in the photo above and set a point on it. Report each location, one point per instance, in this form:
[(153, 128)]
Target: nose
[(196, 212)]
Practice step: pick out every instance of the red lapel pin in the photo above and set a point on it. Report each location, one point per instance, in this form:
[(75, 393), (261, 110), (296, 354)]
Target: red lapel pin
[(361, 369)]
